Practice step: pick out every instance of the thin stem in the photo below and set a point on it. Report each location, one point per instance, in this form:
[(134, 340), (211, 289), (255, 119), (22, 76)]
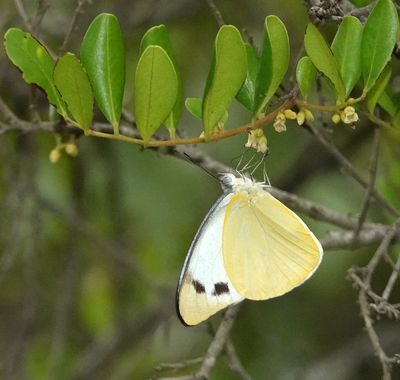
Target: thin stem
[(371, 182), (195, 140)]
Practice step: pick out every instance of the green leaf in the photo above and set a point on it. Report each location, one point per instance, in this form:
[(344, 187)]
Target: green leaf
[(378, 40), (74, 86), (305, 75), (35, 63), (102, 54), (323, 59), (274, 62), (346, 48), (158, 35), (156, 89), (227, 74), (376, 91), (246, 94), (194, 106)]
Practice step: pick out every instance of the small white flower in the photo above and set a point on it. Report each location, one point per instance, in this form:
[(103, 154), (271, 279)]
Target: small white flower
[(257, 140), (279, 123), (349, 115)]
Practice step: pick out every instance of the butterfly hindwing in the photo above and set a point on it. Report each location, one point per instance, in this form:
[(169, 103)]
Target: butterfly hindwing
[(267, 249), (204, 287)]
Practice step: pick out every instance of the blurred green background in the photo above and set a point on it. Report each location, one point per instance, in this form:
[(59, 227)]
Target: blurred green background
[(91, 247)]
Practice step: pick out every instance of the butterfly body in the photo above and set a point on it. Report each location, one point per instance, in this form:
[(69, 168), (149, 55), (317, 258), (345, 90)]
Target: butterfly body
[(248, 246)]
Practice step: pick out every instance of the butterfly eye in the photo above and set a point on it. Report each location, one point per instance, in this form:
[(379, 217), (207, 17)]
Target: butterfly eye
[(226, 180)]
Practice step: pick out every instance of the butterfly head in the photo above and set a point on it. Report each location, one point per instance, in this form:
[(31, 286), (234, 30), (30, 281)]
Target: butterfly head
[(231, 183)]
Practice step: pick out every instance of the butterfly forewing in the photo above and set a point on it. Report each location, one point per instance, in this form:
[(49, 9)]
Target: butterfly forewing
[(204, 287), (267, 249)]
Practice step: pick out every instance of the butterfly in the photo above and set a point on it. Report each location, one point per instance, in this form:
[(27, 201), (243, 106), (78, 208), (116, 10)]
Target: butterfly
[(250, 245)]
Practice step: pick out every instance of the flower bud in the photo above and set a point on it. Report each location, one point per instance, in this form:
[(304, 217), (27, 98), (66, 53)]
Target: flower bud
[(336, 118), (71, 149), (308, 114), (54, 155), (301, 117), (289, 114)]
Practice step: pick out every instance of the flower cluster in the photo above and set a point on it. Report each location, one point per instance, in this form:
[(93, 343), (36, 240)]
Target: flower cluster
[(347, 116), (257, 140), (70, 148), (300, 117)]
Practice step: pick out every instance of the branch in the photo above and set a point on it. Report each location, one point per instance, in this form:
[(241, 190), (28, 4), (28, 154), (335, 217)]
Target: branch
[(78, 10), (216, 12), (335, 153), (371, 181), (215, 348)]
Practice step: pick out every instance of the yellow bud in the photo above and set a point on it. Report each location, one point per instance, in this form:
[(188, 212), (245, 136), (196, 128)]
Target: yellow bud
[(280, 117), (308, 114), (336, 118), (262, 145), (54, 155), (301, 117), (71, 149), (289, 114), (258, 132)]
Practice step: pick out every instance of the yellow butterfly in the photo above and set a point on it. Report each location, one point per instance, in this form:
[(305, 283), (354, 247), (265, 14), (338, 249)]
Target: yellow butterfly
[(250, 245)]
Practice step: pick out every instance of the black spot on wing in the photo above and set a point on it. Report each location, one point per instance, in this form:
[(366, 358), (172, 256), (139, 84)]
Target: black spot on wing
[(220, 288), (198, 286)]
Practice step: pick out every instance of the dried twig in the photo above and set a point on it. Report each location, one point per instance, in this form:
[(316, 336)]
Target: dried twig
[(23, 14), (78, 10), (371, 182), (214, 349), (216, 12), (335, 153)]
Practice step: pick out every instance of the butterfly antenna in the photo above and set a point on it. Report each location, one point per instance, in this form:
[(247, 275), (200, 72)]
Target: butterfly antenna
[(249, 163), (190, 159), (256, 166), (240, 159), (265, 175)]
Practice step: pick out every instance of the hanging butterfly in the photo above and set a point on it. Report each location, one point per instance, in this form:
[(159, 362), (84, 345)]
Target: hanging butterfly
[(250, 245)]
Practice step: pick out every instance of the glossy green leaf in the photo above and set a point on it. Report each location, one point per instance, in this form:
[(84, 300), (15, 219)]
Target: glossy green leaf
[(377, 90), (246, 94), (194, 106), (158, 35), (74, 86), (35, 63), (321, 56), (305, 75), (156, 89), (227, 74), (346, 48), (274, 62), (102, 54), (378, 40)]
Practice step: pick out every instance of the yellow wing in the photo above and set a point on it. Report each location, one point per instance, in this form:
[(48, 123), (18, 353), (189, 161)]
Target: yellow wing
[(267, 249)]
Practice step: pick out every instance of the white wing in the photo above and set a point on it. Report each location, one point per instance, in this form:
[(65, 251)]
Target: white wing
[(204, 287)]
